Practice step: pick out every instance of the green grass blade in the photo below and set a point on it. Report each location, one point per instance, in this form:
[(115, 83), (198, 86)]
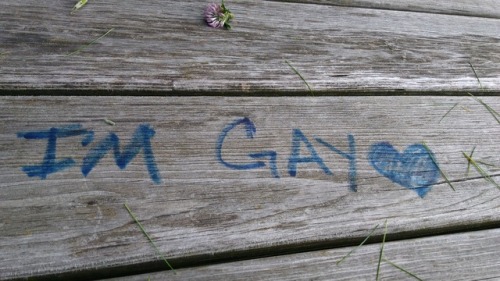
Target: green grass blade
[(480, 170), (435, 163), (364, 241), (455, 105), (486, 164), (79, 5), (147, 236), (493, 112), (90, 43), (402, 269), (468, 162), (477, 77), (381, 252), (301, 77)]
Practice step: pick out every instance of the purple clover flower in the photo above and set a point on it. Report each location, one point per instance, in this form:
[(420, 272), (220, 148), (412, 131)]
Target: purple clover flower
[(218, 16)]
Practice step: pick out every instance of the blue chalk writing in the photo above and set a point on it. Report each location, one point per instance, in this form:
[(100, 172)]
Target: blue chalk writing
[(89, 138), (351, 156), (141, 140), (250, 130), (295, 158), (272, 155), (413, 169), (50, 164)]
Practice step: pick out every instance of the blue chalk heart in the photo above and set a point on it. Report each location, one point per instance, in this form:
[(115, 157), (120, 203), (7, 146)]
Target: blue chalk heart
[(413, 169)]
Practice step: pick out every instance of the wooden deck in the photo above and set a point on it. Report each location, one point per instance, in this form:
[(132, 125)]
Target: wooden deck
[(231, 165)]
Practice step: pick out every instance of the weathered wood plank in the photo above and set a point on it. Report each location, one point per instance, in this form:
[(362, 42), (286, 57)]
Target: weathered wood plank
[(488, 8), (165, 47), (467, 256), (205, 209)]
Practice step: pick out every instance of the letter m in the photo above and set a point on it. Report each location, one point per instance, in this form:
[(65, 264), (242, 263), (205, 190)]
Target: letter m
[(141, 140)]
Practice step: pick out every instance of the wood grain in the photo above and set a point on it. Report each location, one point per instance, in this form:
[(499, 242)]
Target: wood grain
[(69, 225), (160, 47), (468, 256), (470, 8)]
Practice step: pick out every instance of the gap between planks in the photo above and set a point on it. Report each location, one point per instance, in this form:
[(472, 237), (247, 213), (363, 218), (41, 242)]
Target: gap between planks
[(259, 253), (445, 8), (257, 93), (464, 256)]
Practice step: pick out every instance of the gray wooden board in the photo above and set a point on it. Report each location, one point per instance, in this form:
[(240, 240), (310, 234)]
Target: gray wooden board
[(488, 8), (467, 256), (203, 210), (165, 47)]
